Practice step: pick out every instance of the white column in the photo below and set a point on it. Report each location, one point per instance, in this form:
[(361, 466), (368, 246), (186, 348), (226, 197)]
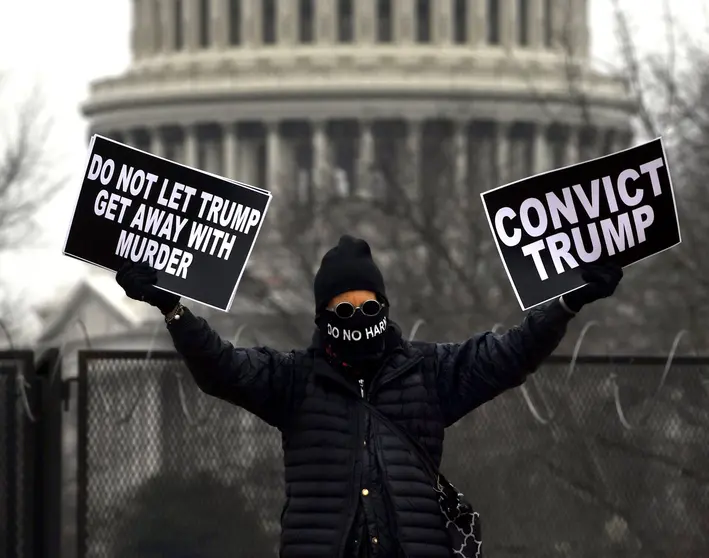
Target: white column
[(572, 154), (581, 31), (230, 145), (190, 22), (365, 21), (286, 21), (536, 24), (273, 159), (320, 154), (442, 16), (477, 22), (168, 18), (191, 153), (413, 152), (157, 28), (508, 24), (460, 150), (366, 155), (220, 24), (403, 19), (560, 19), (157, 142), (503, 162), (138, 30), (540, 149), (251, 23), (326, 22)]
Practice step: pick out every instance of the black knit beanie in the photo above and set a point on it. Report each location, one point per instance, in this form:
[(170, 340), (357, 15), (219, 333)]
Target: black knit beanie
[(347, 267)]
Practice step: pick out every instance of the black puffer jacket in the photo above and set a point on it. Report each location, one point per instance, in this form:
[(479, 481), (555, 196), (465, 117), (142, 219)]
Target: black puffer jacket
[(335, 453)]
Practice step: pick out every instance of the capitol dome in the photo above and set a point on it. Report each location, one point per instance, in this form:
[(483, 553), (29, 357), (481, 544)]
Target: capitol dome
[(301, 95)]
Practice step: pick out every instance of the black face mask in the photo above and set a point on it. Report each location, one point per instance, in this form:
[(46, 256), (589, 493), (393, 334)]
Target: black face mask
[(356, 339)]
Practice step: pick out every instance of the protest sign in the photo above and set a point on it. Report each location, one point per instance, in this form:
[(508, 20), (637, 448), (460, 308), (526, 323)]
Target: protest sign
[(619, 208), (196, 228)]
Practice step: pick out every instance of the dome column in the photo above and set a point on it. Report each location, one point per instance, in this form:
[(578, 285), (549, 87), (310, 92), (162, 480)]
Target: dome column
[(191, 155), (572, 152), (320, 155), (230, 146), (460, 151), (477, 22), (540, 152), (366, 154), (536, 24), (273, 155), (413, 152), (503, 151), (157, 142)]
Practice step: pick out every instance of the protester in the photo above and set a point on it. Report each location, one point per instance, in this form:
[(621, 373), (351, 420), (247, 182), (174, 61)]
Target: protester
[(352, 488)]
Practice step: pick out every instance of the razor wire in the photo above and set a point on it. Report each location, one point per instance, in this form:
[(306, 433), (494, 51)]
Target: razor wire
[(189, 417), (649, 405), (22, 384), (542, 412), (143, 367)]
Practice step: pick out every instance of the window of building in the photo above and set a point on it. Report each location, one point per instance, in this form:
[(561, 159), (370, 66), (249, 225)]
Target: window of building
[(306, 29), (423, 21), (460, 21), (345, 21), (204, 23), (493, 22), (268, 22), (179, 26), (548, 26), (234, 22), (523, 22), (384, 21)]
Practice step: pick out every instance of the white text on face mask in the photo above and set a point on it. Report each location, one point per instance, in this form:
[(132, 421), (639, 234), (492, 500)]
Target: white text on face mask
[(357, 334)]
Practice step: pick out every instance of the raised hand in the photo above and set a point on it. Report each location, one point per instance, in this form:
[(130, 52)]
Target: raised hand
[(139, 280), (602, 281)]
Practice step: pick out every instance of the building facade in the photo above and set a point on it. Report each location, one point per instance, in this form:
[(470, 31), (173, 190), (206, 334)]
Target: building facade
[(301, 96)]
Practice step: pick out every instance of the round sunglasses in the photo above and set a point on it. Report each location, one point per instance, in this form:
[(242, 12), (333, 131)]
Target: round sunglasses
[(346, 310)]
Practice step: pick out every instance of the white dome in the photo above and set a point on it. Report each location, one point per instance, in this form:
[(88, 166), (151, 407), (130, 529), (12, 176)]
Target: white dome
[(309, 89)]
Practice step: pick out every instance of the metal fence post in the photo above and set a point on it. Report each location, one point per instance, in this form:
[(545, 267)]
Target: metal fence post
[(48, 457)]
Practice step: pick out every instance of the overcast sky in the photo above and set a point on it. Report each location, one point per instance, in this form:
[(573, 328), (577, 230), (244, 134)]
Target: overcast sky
[(65, 44)]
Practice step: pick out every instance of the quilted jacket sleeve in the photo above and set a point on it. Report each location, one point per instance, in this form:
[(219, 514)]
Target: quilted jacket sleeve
[(479, 369), (259, 380)]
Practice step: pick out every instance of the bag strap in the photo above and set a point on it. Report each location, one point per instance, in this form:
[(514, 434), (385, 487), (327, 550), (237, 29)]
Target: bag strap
[(407, 438)]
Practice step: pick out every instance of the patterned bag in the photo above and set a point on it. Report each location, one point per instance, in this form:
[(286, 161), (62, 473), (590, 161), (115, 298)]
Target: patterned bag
[(462, 522)]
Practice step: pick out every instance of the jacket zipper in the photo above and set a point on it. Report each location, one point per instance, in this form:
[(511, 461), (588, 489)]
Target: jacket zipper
[(364, 395), (353, 517)]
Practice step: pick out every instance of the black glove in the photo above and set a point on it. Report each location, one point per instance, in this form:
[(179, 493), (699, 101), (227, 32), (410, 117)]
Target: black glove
[(601, 279), (138, 281)]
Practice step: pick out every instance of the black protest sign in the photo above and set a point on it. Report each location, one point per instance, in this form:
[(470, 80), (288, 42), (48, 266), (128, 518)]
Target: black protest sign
[(618, 208), (197, 229)]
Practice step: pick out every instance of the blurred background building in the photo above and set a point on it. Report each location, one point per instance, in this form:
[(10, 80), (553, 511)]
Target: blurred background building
[(305, 97), (299, 95)]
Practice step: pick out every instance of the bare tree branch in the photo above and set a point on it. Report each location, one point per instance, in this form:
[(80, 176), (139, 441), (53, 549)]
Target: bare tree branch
[(28, 173)]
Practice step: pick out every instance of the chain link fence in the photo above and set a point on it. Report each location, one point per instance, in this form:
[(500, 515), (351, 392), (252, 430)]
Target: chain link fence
[(590, 460), (16, 464)]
